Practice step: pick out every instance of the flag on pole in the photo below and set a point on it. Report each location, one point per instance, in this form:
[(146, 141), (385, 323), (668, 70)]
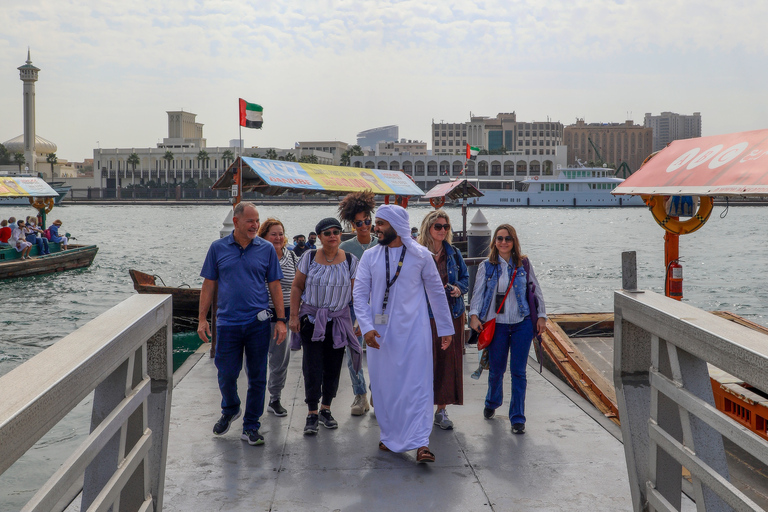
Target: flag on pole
[(472, 152), (250, 114)]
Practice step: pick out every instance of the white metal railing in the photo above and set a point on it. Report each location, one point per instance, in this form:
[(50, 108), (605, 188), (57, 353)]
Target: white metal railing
[(666, 405), (124, 358)]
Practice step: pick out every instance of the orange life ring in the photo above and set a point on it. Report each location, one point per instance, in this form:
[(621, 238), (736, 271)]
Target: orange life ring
[(437, 202), (658, 208), (536, 178), (42, 203)]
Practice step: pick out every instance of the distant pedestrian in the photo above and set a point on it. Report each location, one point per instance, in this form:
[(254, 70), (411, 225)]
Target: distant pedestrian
[(299, 245), (243, 266), (311, 240), (272, 231), (321, 323), (415, 233), (391, 307), (507, 272), (356, 210), (436, 235)]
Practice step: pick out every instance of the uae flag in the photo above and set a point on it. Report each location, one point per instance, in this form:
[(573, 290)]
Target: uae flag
[(250, 114), (472, 152)]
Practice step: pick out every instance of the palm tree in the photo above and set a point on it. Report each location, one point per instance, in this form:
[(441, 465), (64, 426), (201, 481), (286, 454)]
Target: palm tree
[(271, 154), (19, 159), (52, 159), (290, 157), (168, 157), (133, 161), (353, 151), (227, 156), (309, 159), (255, 155)]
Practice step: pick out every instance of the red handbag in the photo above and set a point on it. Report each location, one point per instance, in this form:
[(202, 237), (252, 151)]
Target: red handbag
[(489, 327)]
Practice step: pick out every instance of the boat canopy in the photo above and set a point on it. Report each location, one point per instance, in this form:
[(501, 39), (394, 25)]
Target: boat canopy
[(454, 190), (722, 165), (20, 186), (274, 177)]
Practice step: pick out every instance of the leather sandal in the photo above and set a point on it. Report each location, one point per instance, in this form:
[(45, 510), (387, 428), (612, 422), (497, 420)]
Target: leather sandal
[(424, 455), (383, 447)]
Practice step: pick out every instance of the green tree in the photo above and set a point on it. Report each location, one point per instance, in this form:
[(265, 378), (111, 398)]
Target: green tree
[(309, 159), (290, 157), (133, 161), (202, 156), (5, 156), (255, 155), (271, 154), (18, 159), (482, 152), (227, 156), (204, 183), (346, 156), (168, 157), (53, 160)]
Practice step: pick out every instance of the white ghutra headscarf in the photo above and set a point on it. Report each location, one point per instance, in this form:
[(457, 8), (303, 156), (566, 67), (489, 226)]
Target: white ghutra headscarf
[(398, 218)]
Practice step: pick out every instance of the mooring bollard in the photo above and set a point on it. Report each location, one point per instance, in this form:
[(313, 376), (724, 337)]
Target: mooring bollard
[(629, 271), (478, 240)]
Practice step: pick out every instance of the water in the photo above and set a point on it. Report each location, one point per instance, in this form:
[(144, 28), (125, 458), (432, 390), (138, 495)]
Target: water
[(576, 254)]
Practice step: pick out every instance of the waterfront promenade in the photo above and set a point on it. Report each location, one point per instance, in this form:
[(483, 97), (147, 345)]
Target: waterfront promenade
[(566, 460)]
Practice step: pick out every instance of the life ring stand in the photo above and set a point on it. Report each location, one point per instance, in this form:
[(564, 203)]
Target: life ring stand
[(437, 202), (658, 208), (42, 203), (400, 200)]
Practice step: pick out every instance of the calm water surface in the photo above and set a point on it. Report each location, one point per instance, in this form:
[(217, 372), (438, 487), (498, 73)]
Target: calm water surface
[(576, 254)]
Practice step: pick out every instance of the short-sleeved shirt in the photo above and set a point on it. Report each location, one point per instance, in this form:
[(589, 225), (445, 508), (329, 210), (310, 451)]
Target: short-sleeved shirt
[(242, 275), (5, 234), (327, 286)]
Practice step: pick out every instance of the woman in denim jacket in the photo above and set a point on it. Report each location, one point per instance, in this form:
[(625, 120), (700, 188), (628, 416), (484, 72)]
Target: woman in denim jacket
[(514, 329), (435, 234)]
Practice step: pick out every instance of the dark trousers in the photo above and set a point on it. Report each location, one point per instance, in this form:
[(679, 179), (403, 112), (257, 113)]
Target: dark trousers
[(42, 243), (321, 365), (509, 340), (232, 342)]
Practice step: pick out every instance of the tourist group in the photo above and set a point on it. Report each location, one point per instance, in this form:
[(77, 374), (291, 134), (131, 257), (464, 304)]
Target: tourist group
[(399, 293), (23, 235)]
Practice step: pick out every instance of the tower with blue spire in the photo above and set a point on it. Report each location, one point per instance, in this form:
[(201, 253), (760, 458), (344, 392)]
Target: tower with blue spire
[(28, 75)]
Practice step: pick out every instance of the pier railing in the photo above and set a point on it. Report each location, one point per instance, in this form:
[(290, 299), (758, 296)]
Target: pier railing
[(668, 415), (124, 358)]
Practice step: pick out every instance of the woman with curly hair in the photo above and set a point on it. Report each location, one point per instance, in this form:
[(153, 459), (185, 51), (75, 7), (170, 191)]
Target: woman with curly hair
[(356, 211)]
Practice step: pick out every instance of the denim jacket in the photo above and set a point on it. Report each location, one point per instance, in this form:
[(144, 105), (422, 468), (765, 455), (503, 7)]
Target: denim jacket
[(519, 289), (458, 275)]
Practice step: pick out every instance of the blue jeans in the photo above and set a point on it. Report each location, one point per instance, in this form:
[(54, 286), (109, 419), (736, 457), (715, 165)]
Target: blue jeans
[(42, 243), (232, 342), (358, 378), (514, 339)]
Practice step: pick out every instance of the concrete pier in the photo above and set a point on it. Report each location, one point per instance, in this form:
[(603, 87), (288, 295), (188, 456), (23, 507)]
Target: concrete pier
[(565, 461)]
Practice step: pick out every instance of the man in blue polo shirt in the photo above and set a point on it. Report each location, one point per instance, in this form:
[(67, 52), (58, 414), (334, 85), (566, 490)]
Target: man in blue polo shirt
[(243, 265)]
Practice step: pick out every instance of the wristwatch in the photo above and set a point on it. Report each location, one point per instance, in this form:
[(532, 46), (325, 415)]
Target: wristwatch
[(281, 319)]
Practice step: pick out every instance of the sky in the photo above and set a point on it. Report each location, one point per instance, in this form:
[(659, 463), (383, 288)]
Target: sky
[(328, 69)]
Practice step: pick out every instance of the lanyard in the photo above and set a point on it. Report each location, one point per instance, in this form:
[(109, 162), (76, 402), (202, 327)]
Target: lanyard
[(397, 273)]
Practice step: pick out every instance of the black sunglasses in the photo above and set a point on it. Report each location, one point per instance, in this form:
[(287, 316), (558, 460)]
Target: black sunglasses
[(334, 232), (439, 227), (503, 238), (359, 223)]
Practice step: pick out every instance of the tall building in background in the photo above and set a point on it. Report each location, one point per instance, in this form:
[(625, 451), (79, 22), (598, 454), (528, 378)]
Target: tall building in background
[(369, 138), (669, 126), (495, 133), (28, 75), (616, 142)]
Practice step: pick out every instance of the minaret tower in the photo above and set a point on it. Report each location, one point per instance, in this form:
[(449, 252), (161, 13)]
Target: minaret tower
[(28, 75)]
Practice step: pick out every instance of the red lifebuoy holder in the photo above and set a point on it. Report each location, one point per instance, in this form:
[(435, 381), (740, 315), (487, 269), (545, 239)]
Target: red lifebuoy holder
[(437, 202), (536, 178)]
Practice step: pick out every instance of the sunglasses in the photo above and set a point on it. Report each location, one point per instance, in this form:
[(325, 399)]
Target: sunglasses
[(359, 223), (503, 238), (439, 227), (334, 232)]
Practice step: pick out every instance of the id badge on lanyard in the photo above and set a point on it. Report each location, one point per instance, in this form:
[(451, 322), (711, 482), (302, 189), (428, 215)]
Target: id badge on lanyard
[(383, 318)]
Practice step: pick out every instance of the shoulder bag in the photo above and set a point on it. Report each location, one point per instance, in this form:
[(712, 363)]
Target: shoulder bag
[(489, 327)]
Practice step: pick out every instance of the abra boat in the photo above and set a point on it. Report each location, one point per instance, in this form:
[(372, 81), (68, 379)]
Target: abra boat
[(185, 299), (574, 186), (37, 193)]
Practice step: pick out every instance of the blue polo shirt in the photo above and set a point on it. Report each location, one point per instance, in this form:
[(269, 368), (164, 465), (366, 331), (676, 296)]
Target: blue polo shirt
[(242, 275)]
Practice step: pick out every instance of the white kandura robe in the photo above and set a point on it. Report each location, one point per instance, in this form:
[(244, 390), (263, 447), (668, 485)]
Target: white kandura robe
[(400, 371)]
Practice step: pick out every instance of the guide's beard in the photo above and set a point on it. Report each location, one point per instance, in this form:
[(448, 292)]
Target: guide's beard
[(387, 237)]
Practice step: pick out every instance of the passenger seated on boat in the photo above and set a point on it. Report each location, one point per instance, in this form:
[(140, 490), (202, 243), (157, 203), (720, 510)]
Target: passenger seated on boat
[(63, 240), (18, 241), (5, 233), (33, 234)]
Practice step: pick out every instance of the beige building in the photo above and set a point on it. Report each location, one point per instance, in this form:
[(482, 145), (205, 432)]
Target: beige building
[(669, 126), (493, 133), (404, 147), (616, 142), (335, 148)]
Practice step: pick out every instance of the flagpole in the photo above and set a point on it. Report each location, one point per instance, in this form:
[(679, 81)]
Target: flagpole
[(239, 180)]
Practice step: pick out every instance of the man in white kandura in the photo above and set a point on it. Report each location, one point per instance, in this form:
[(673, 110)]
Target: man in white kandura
[(392, 312)]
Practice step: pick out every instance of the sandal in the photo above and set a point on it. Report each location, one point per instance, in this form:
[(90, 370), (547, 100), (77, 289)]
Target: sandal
[(424, 455), (383, 447)]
